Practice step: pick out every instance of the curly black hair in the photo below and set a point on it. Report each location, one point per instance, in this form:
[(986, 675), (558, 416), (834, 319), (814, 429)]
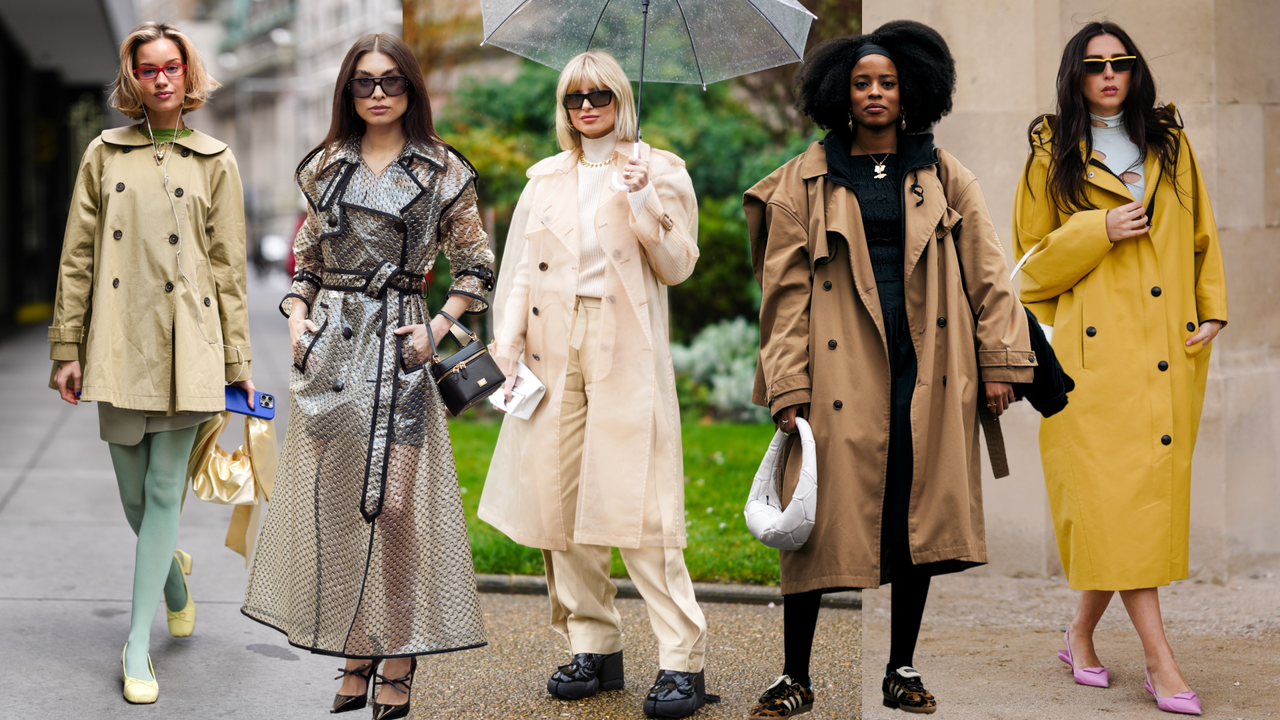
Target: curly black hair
[(926, 75)]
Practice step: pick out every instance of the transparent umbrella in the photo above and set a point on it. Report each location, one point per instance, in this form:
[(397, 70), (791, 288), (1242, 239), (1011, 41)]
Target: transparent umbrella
[(694, 41)]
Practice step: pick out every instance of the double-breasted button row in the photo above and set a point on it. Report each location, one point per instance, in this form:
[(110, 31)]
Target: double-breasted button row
[(117, 234)]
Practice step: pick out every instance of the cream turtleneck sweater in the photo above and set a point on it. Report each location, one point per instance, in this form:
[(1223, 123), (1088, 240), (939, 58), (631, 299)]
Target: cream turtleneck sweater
[(1120, 154), (591, 185)]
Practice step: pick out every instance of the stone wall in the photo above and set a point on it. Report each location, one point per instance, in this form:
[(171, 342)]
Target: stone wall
[(1219, 61)]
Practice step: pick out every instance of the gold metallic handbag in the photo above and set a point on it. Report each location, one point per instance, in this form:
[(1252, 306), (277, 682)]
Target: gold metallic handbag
[(243, 478)]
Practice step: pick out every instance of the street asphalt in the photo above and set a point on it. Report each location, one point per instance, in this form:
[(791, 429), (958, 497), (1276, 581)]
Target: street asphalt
[(66, 575)]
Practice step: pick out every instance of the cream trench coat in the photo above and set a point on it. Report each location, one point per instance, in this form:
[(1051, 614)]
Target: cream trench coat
[(633, 454), (120, 267)]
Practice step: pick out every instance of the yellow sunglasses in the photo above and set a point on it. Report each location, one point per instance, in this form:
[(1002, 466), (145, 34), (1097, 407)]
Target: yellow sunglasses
[(1123, 63)]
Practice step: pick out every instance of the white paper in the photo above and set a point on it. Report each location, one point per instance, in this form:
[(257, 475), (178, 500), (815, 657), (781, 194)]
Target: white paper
[(525, 396)]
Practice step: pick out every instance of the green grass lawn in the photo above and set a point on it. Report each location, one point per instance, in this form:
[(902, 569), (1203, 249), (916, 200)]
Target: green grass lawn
[(720, 460)]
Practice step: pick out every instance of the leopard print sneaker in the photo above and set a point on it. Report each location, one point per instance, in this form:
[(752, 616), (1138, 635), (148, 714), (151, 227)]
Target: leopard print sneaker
[(903, 690), (784, 698)]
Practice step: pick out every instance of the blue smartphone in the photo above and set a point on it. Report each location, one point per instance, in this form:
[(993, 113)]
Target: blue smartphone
[(264, 405)]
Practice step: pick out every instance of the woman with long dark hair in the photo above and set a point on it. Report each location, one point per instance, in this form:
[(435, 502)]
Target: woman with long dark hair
[(1125, 264), (875, 294), (150, 318), (364, 553)]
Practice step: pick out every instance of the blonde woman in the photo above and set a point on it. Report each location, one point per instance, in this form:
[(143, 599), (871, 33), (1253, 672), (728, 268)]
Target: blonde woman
[(155, 246), (582, 301)]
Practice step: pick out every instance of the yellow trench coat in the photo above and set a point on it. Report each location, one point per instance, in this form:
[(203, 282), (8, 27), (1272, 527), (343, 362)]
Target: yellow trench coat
[(120, 266), (1117, 460), (632, 454)]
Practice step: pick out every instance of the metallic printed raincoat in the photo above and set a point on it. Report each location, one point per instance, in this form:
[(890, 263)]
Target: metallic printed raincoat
[(364, 552)]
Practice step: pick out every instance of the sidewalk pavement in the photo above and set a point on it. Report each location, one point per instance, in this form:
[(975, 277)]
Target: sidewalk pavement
[(988, 649), (67, 569)]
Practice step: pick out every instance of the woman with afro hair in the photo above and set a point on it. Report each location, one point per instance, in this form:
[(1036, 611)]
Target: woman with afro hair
[(888, 322)]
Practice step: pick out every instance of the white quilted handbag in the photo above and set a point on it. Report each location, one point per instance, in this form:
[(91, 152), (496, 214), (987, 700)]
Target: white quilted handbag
[(784, 529)]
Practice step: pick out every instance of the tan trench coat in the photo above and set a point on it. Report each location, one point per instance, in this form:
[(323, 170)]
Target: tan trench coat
[(632, 454), (822, 341), (120, 267)]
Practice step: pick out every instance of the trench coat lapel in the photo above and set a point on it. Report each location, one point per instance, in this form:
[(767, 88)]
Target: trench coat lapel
[(844, 216), (557, 204)]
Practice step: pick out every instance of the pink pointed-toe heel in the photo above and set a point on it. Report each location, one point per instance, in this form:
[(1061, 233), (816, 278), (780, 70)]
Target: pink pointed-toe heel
[(1187, 703), (1093, 677)]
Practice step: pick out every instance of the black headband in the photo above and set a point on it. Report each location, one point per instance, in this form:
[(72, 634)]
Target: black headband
[(870, 49)]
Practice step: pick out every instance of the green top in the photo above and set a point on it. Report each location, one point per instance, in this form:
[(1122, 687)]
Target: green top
[(163, 135)]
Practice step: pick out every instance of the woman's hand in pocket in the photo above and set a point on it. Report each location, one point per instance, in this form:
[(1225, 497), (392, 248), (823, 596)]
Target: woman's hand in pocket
[(299, 322), (418, 335)]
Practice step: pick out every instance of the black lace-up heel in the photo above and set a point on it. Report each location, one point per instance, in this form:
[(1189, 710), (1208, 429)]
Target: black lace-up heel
[(347, 703), (404, 684)]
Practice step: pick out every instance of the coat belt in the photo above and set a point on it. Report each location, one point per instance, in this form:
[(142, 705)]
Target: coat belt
[(374, 283)]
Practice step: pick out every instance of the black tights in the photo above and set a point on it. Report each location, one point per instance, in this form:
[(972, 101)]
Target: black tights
[(910, 590)]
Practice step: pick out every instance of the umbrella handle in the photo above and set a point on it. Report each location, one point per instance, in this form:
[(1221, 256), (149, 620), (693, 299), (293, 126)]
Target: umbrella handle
[(617, 184)]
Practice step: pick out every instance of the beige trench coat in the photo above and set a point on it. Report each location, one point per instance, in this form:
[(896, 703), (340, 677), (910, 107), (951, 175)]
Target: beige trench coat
[(120, 267), (822, 340), (632, 454)]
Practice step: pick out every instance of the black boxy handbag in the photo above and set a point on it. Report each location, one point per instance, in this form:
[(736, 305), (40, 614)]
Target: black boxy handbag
[(467, 376)]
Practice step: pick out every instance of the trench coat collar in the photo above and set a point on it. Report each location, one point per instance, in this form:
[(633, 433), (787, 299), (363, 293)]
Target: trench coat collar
[(1103, 178), (568, 160), (130, 136), (349, 152), (915, 151)]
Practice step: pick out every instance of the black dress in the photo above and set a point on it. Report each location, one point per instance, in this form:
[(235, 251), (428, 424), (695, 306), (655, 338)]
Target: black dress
[(880, 202)]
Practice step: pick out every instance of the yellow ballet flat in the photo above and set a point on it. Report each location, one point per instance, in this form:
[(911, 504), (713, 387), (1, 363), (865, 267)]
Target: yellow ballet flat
[(139, 692), (183, 622)]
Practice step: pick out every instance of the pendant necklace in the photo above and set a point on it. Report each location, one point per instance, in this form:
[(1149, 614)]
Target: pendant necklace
[(880, 174)]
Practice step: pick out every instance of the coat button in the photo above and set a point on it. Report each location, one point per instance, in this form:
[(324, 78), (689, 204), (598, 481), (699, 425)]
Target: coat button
[(942, 322), (186, 152), (1031, 357), (1166, 440), (543, 266), (535, 356), (346, 333), (333, 221), (1091, 331), (1090, 174), (173, 239), (337, 386), (117, 234), (115, 283), (1163, 366), (944, 381), (168, 287), (126, 150), (831, 344), (177, 193), (400, 227), (1155, 292), (207, 303), (535, 311), (837, 404), (119, 187), (1191, 327), (826, 285)]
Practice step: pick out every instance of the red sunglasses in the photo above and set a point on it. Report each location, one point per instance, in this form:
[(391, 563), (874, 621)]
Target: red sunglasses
[(151, 72)]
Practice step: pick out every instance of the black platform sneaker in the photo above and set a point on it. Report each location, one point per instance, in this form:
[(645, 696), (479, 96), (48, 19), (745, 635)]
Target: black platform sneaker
[(903, 690), (677, 694), (586, 675)]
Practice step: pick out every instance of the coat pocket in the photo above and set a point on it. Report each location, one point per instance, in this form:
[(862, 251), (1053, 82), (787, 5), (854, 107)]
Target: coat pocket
[(303, 348)]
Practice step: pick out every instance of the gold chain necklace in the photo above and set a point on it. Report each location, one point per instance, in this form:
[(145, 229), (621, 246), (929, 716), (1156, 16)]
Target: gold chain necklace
[(582, 160), (879, 163)]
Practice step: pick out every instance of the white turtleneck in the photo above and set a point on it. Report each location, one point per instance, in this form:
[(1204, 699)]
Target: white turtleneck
[(1120, 154), (591, 184)]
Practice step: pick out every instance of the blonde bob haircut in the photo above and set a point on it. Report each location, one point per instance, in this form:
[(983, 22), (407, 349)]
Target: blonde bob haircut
[(126, 95), (602, 72)]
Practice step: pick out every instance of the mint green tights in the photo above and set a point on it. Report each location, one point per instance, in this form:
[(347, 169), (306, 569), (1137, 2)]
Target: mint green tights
[(152, 476)]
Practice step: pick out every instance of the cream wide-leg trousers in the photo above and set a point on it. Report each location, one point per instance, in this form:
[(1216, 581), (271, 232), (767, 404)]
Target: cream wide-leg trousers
[(578, 582)]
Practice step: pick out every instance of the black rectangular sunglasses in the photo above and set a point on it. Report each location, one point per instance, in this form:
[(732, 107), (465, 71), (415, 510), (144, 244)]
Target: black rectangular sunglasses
[(392, 85), (598, 98), (1123, 63)]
